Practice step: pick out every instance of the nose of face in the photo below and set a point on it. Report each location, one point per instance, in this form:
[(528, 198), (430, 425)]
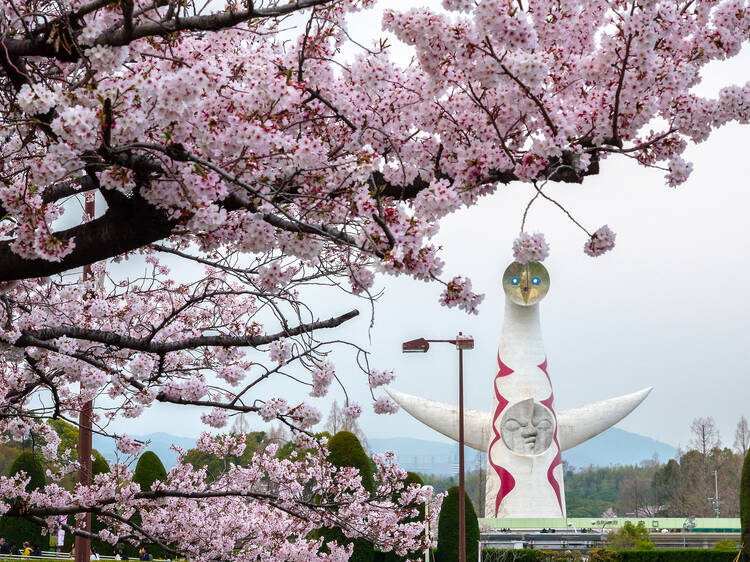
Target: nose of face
[(528, 430)]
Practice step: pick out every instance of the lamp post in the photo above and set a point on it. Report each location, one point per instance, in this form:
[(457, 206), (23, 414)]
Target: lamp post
[(715, 500), (422, 345), (688, 525)]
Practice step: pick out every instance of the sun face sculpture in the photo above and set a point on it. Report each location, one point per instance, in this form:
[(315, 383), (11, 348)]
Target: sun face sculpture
[(526, 283), (528, 427)]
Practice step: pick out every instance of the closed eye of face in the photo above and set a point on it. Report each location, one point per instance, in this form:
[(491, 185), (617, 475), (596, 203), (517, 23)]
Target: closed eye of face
[(512, 425)]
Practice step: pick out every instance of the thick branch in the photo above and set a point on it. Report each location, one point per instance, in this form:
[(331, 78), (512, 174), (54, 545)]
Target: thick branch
[(39, 46), (122, 229), (148, 346)]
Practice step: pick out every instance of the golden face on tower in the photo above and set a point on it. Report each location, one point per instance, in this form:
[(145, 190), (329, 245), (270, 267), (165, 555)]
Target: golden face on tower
[(526, 283)]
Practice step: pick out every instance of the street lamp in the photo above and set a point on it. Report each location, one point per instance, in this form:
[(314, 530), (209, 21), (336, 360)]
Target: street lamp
[(715, 502), (422, 345), (688, 525)]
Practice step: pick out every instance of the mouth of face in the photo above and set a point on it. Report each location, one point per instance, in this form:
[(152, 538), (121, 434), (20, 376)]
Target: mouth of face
[(530, 442)]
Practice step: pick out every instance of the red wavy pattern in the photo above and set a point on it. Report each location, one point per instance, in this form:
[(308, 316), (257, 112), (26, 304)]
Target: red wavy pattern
[(558, 457), (507, 482), (504, 370)]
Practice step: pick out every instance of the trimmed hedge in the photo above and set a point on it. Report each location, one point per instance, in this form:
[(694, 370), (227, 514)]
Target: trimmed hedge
[(447, 550), (99, 466), (344, 449), (411, 478), (745, 507), (608, 555), (148, 470), (15, 529), (688, 555)]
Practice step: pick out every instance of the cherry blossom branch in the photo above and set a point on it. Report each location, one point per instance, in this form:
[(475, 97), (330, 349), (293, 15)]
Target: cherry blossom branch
[(39, 46), (620, 81), (33, 337)]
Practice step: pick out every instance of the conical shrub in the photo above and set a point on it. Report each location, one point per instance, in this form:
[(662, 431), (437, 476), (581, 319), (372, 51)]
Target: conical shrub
[(447, 550), (15, 529), (344, 449)]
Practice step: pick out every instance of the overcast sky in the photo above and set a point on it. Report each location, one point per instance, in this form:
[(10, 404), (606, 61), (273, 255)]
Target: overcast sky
[(667, 308)]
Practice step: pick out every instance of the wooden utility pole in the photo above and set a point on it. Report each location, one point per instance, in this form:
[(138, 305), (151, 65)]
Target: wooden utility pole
[(83, 544)]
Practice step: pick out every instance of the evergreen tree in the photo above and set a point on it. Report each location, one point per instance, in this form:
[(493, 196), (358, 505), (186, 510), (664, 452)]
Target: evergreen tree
[(447, 550), (15, 529), (148, 470), (411, 478), (99, 466), (344, 449)]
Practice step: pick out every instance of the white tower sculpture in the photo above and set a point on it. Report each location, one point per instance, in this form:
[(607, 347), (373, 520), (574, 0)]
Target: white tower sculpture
[(523, 434)]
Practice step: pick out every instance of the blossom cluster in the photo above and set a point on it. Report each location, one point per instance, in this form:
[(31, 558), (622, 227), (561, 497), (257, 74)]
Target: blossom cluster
[(458, 293), (385, 405), (530, 248), (603, 240)]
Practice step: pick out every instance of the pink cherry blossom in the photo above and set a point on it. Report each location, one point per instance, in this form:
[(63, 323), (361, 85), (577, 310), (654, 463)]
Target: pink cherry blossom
[(353, 410), (458, 293), (129, 446), (385, 405), (530, 248), (380, 378), (603, 240), (322, 376)]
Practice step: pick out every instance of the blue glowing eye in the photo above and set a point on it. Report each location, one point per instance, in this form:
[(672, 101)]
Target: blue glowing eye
[(515, 281), (535, 280)]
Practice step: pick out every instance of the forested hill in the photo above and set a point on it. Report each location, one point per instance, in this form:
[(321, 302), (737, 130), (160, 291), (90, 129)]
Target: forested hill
[(618, 447)]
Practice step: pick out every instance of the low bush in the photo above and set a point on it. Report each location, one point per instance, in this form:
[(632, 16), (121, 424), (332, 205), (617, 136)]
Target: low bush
[(726, 546), (608, 555), (529, 555), (688, 555), (15, 529)]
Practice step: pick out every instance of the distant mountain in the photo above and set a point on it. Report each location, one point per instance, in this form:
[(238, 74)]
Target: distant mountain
[(160, 444), (617, 446), (427, 457), (614, 446)]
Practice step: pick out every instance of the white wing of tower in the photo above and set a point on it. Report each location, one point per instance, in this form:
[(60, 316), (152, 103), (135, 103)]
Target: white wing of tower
[(574, 426), (443, 418)]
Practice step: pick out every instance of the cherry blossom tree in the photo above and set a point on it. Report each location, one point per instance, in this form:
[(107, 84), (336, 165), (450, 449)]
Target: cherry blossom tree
[(268, 161)]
